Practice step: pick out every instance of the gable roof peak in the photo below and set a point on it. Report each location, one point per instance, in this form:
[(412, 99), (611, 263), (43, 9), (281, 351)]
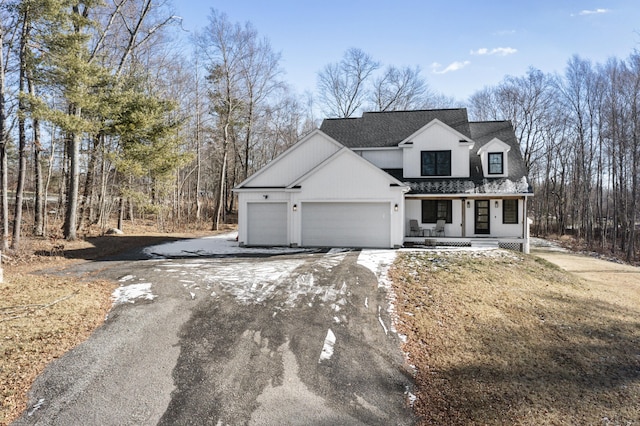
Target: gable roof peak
[(389, 128)]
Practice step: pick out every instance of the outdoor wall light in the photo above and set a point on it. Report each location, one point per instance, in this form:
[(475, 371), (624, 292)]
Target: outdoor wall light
[(265, 196), (395, 208), (295, 207), (468, 204), (496, 204)]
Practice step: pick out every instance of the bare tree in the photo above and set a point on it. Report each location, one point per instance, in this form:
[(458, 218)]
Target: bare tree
[(342, 86), (4, 213), (400, 89), (26, 17)]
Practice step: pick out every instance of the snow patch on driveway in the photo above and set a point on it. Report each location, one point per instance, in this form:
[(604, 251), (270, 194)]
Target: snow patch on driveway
[(327, 348), (129, 293), (224, 244), (378, 262)]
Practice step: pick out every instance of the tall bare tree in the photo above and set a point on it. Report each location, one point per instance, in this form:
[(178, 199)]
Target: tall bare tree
[(400, 89), (342, 86), (4, 202), (26, 15), (242, 77)]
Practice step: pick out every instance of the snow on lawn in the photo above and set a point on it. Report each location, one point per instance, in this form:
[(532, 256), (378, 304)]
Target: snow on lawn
[(224, 244)]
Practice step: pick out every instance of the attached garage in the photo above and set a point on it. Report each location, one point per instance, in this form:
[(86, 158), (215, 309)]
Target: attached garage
[(346, 224), (320, 193), (267, 224)]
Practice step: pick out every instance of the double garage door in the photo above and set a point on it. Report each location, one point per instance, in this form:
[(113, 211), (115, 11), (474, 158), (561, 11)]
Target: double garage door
[(323, 224), (346, 225)]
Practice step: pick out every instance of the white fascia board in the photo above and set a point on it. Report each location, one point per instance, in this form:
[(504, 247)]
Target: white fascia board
[(287, 152), (381, 148), (259, 189), (495, 141), (473, 196), (436, 122), (436, 196)]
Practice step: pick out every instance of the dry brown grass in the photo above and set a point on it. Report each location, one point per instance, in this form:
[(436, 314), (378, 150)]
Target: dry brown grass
[(42, 316), (512, 339)]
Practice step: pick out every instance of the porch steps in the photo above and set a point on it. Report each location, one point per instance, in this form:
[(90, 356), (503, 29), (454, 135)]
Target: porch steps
[(485, 243)]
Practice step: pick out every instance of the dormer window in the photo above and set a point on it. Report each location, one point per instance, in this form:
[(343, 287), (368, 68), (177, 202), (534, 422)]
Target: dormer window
[(496, 164), (435, 163), (494, 156)]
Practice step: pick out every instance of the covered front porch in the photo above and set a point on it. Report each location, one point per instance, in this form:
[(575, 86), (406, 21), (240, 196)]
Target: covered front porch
[(467, 220)]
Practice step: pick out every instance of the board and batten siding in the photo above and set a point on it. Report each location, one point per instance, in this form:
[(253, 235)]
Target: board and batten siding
[(383, 158), (296, 162), (498, 229), (436, 137), (347, 178)]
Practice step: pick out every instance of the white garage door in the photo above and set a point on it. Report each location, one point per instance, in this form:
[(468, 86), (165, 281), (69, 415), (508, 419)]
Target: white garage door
[(346, 225), (267, 224)]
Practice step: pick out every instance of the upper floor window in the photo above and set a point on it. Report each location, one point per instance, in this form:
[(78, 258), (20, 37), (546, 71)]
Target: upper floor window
[(436, 163), (496, 164)]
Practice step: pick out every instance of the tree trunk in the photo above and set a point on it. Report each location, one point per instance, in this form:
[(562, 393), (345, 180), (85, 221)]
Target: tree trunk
[(4, 213), (220, 207), (87, 195), (71, 216), (22, 136), (39, 201), (120, 213)]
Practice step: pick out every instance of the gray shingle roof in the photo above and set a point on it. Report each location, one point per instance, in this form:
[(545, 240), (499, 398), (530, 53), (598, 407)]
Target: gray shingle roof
[(386, 129)]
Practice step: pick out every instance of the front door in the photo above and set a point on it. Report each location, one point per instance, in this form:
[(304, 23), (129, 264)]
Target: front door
[(482, 217)]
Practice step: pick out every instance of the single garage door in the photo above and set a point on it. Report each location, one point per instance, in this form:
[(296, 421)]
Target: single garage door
[(346, 225), (267, 224)]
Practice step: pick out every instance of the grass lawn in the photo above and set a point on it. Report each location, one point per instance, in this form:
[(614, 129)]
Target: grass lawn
[(498, 337), (42, 316)]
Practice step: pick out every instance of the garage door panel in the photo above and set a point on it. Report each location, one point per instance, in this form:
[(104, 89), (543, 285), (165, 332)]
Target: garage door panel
[(267, 224), (345, 224)]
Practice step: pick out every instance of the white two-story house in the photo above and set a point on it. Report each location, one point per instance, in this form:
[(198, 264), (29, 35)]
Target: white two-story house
[(388, 179)]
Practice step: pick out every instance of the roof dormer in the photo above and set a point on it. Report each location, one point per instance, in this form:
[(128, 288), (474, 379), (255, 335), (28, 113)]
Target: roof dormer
[(494, 157)]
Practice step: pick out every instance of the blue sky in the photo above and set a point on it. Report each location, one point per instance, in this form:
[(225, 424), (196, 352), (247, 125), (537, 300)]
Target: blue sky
[(460, 46)]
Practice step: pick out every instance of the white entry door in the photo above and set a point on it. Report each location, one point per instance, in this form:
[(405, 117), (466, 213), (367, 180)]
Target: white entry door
[(346, 225)]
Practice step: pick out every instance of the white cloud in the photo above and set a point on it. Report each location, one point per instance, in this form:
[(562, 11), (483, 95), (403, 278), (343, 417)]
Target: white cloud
[(501, 51), (454, 66), (593, 12)]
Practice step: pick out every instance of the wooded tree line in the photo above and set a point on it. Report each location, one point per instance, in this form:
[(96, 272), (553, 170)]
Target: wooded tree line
[(580, 136), (105, 115)]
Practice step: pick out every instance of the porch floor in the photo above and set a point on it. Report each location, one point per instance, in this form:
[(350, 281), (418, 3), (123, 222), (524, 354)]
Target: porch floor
[(515, 243)]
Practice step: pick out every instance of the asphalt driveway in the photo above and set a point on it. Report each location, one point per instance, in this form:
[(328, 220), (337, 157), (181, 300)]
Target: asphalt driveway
[(208, 333)]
